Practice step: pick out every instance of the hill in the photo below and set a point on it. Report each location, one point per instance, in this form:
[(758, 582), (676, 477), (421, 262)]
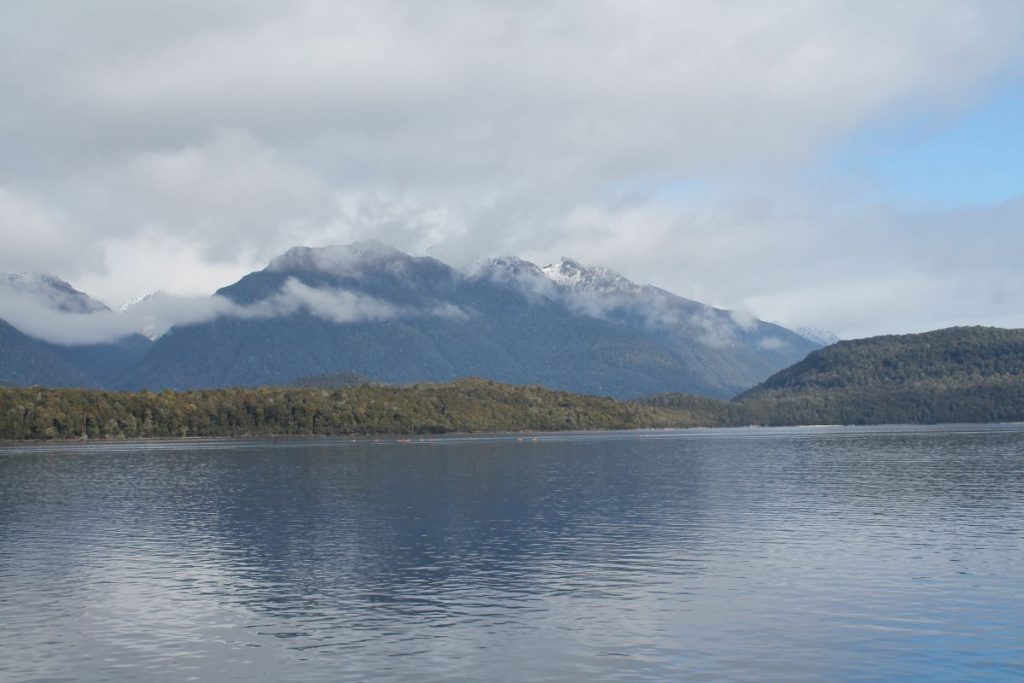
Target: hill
[(959, 374)]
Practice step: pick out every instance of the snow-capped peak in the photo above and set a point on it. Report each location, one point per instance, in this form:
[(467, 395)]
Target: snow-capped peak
[(818, 335), (580, 277), (135, 301), (51, 291), (512, 266)]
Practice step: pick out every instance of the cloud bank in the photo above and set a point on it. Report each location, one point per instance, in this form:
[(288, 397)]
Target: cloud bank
[(684, 144), (37, 317)]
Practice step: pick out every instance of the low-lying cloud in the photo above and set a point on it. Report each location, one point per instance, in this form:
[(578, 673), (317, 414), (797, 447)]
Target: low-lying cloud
[(156, 314)]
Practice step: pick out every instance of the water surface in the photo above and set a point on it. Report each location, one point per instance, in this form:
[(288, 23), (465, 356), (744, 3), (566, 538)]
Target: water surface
[(751, 554)]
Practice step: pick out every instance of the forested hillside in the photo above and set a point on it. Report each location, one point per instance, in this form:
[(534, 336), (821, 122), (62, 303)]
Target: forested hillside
[(960, 374), (955, 357), (463, 406)]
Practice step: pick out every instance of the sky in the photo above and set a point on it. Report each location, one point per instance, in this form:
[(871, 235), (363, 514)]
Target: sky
[(844, 165)]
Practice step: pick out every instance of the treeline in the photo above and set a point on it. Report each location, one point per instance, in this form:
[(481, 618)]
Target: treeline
[(463, 406)]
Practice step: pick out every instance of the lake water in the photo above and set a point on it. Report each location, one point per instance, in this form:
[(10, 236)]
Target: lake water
[(752, 554)]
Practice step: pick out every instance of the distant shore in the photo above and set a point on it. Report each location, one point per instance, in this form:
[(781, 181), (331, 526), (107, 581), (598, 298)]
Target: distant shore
[(470, 406)]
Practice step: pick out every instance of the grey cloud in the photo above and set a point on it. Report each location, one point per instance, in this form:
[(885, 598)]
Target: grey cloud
[(559, 88), (37, 237), (771, 344), (224, 193), (235, 130)]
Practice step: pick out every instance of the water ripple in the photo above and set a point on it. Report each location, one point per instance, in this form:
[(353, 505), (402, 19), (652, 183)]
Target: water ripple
[(796, 554)]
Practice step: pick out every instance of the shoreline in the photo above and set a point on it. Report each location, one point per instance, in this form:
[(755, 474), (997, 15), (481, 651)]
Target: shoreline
[(529, 436)]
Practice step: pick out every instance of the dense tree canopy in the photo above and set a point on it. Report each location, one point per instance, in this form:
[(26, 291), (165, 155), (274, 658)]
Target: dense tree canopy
[(463, 406), (960, 374)]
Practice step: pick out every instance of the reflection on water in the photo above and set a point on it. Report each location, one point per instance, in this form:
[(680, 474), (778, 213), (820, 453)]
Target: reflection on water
[(797, 554)]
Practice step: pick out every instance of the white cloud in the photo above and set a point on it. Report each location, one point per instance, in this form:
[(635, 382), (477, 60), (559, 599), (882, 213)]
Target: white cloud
[(228, 194)]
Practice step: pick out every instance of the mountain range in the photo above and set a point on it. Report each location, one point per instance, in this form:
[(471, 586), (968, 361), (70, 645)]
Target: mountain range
[(369, 310)]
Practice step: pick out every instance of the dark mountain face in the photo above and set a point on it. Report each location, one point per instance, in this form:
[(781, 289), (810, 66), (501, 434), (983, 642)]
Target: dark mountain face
[(390, 317), (25, 361), (105, 364)]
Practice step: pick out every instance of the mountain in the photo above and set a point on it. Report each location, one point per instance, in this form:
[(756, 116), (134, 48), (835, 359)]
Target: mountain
[(369, 309), (725, 349), (959, 374), (25, 359), (579, 277)]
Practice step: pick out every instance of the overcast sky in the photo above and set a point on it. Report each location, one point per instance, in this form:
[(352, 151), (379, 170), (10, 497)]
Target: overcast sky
[(857, 166)]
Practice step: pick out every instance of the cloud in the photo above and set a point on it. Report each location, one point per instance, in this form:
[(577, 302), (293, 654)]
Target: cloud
[(772, 344), (36, 315), (224, 194), (35, 233), (335, 305), (386, 88), (177, 147)]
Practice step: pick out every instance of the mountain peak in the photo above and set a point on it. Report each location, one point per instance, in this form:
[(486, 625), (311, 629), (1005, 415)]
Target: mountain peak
[(136, 301), (581, 277), (511, 266), (338, 259), (52, 291)]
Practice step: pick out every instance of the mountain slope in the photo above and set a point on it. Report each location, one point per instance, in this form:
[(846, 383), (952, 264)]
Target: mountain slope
[(50, 291), (372, 310), (25, 361), (105, 364)]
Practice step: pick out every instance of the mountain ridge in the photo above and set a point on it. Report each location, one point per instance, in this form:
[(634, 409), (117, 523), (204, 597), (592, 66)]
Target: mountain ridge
[(369, 309)]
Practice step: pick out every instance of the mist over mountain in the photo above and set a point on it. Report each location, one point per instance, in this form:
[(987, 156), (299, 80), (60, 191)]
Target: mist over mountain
[(372, 310), (52, 334)]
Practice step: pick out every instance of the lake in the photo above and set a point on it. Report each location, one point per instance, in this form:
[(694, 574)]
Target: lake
[(845, 553)]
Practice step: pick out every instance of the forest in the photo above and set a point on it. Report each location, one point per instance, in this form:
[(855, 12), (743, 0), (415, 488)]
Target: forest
[(470, 405)]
